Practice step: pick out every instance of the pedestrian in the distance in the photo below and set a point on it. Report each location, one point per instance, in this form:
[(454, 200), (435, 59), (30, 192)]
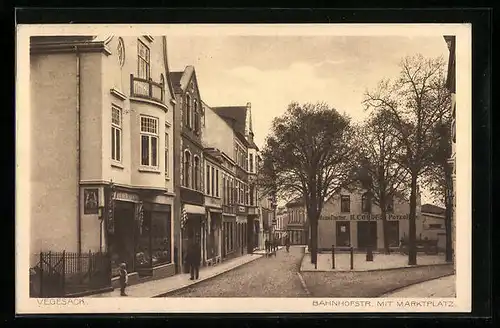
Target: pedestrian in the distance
[(193, 259), (266, 243), (123, 279)]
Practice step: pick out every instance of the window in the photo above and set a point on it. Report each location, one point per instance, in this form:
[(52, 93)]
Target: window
[(196, 173), (208, 180), (345, 203), (144, 61), (196, 117), (167, 173), (251, 162), (187, 169), (188, 111), (390, 204), (213, 181), (247, 195), (116, 134), (217, 183), (149, 141), (224, 195), (366, 204), (393, 233), (252, 190)]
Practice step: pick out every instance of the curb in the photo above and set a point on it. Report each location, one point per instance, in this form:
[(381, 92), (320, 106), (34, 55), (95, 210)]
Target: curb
[(302, 281), (393, 290), (165, 294), (386, 269)]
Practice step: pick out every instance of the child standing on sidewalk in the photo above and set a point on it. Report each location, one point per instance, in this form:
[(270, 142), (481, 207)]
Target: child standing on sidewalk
[(123, 279)]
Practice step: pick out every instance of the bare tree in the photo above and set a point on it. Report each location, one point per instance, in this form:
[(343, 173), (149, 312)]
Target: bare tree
[(307, 155), (384, 177), (416, 100)]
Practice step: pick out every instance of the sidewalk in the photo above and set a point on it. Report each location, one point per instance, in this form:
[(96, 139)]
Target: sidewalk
[(380, 262), (157, 287), (441, 287)]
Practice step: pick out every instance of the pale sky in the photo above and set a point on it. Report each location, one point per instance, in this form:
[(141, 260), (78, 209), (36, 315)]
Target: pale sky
[(270, 72)]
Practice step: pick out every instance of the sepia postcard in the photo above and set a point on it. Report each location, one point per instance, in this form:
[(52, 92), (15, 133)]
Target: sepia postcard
[(309, 168)]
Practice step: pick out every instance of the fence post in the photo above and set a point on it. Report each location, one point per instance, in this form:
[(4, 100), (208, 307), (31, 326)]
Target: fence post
[(352, 258), (41, 274), (333, 256)]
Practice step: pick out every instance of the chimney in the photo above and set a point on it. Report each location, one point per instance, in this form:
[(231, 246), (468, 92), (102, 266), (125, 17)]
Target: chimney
[(250, 128)]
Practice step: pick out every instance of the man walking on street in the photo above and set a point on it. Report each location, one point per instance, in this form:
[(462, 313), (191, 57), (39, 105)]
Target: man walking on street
[(193, 259)]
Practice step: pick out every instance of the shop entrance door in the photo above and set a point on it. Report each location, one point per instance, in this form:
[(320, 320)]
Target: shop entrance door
[(367, 234), (343, 234), (122, 241)]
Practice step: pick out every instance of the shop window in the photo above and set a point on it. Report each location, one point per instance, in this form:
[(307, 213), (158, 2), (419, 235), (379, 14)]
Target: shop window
[(160, 237), (343, 234), (345, 203)]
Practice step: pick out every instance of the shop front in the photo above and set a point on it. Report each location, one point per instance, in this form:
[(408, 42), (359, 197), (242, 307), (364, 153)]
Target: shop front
[(228, 234), (241, 234), (139, 233), (192, 226), (362, 231), (213, 236)]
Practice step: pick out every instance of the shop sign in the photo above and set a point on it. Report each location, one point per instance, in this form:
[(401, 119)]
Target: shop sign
[(91, 201), (124, 196), (364, 217)]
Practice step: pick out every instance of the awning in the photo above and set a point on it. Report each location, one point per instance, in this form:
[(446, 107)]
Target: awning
[(194, 209)]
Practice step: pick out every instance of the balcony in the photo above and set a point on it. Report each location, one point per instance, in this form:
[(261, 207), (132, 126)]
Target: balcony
[(229, 209), (147, 89)]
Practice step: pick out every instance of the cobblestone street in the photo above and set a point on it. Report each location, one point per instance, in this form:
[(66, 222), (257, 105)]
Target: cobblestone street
[(265, 277)]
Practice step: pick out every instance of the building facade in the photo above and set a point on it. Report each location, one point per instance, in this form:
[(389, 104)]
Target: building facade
[(296, 227), (433, 227), (189, 159), (242, 183), (451, 83), (105, 181), (281, 222), (351, 218)]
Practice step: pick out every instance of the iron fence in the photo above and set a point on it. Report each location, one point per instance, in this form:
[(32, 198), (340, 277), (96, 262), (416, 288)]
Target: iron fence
[(59, 274)]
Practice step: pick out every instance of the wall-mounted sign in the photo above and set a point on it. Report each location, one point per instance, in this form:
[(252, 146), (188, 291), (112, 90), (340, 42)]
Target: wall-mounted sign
[(91, 201), (364, 217), (241, 208), (124, 196)]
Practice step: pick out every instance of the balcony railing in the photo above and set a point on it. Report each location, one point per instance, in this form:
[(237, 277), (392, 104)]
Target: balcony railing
[(146, 88), (229, 209)]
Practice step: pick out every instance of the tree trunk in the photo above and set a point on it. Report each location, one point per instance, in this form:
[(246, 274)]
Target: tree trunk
[(412, 249), (385, 228), (314, 240)]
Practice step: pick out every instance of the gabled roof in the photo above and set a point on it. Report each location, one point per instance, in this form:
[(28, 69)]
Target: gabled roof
[(432, 209), (234, 115), (180, 80)]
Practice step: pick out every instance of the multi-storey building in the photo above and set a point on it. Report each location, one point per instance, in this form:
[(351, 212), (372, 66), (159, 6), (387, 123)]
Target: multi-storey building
[(102, 115), (296, 226), (267, 216), (350, 217), (451, 83), (242, 184), (281, 222), (189, 163)]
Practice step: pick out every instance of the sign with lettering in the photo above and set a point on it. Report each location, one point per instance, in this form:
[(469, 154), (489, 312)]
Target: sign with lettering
[(91, 201), (124, 196), (364, 217)]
